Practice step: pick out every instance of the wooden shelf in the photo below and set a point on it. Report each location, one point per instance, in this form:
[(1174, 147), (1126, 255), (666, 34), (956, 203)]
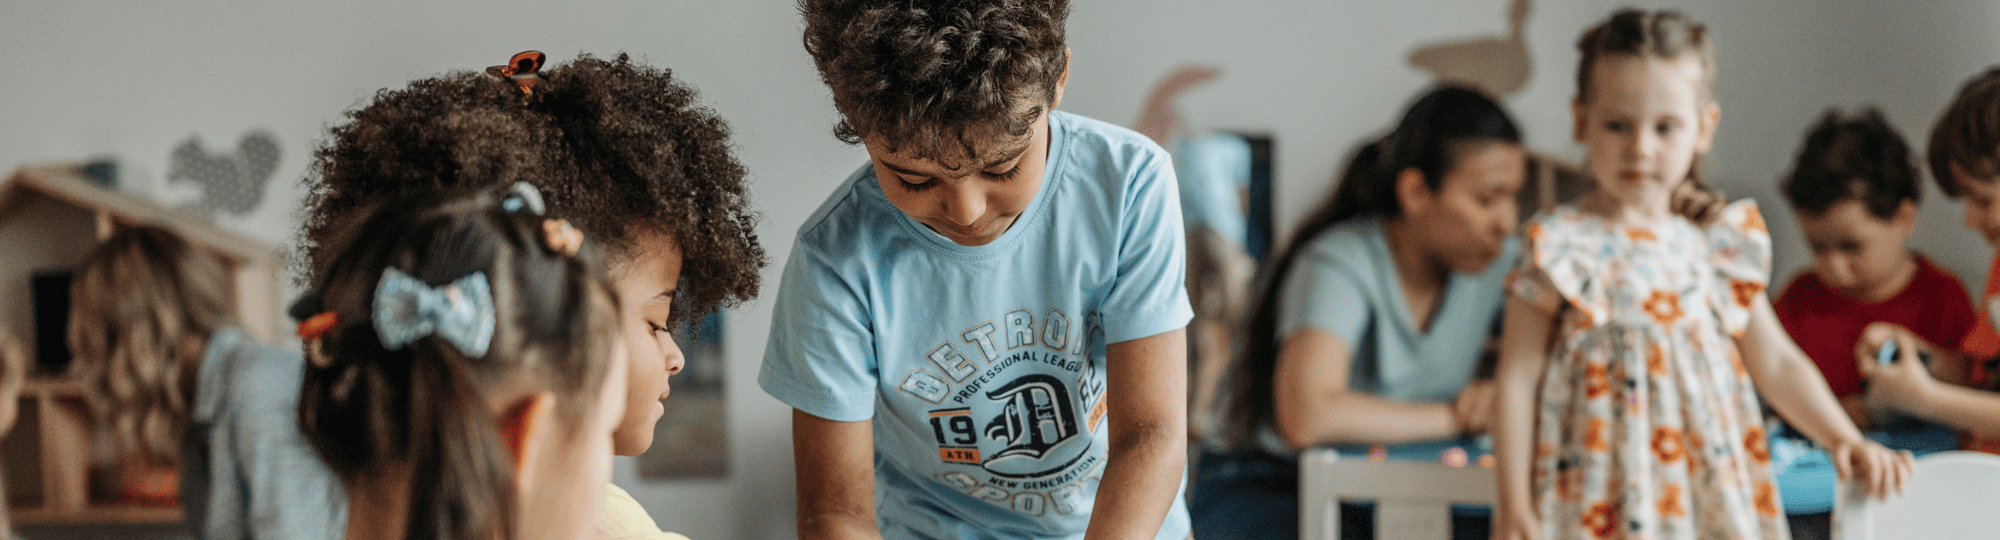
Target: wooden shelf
[(61, 438), (97, 514)]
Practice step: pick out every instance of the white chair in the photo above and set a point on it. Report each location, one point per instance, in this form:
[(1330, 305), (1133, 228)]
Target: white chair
[(1952, 495), (1412, 499)]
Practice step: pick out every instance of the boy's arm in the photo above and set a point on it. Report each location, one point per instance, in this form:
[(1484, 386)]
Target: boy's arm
[(836, 477), (1905, 386), (1946, 363), (1314, 405), (1146, 383), (1524, 348), (1795, 388)]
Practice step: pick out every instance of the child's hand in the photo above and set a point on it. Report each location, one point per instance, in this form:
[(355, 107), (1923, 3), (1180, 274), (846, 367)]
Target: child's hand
[(1877, 334), (1876, 466), (1473, 411), (1901, 385), (1515, 525)]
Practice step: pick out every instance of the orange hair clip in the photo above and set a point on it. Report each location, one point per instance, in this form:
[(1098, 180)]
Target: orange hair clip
[(524, 69), (315, 326)]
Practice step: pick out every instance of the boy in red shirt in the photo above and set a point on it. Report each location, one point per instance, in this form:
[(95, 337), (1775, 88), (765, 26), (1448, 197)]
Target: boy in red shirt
[(1854, 191)]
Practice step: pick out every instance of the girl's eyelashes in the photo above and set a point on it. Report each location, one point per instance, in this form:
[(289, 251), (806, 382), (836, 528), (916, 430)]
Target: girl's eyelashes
[(656, 328)]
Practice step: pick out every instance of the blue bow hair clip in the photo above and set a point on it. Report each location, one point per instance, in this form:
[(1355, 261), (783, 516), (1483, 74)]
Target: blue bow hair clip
[(461, 312)]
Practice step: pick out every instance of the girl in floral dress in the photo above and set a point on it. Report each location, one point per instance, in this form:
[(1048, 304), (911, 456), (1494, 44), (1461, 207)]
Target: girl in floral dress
[(1638, 317)]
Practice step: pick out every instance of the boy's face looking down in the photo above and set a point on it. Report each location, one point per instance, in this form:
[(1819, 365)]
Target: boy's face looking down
[(970, 201), (1982, 203), (1858, 254)]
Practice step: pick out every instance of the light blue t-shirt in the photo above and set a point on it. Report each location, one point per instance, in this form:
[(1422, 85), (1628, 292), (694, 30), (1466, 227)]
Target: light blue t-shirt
[(1344, 283), (982, 367)]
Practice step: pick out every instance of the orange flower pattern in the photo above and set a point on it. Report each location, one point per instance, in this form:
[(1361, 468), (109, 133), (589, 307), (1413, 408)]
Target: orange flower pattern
[(1670, 501), (1602, 520), (1754, 222), (1593, 437), (1745, 292), (1600, 380), (1648, 426), (1640, 235), (1667, 444), (1665, 307), (1766, 498), (1756, 445)]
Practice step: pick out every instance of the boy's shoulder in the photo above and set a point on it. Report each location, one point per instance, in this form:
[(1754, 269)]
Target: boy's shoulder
[(1940, 280), (843, 210), (1083, 137)]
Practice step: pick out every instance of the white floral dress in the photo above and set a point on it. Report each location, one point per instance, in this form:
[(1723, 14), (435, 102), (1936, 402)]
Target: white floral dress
[(1648, 426)]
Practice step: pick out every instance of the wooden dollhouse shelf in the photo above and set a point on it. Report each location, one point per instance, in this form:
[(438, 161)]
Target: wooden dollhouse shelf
[(98, 514), (55, 461)]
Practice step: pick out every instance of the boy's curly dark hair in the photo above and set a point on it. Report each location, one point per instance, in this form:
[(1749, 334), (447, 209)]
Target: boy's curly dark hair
[(1853, 157), (618, 148), (928, 75), (1967, 135)]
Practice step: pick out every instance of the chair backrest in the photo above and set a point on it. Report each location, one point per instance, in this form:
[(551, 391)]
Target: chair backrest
[(1952, 495), (1412, 499)]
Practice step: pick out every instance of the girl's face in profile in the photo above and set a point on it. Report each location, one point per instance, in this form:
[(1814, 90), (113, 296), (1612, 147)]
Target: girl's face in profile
[(1467, 220), (645, 286), (562, 480)]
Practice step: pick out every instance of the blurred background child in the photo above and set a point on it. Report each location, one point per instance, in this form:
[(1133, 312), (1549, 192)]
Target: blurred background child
[(1854, 190), (1638, 324), (1964, 159), (176, 383), (465, 372)]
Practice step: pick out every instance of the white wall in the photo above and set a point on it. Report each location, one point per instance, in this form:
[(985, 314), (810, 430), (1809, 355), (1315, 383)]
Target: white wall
[(133, 78)]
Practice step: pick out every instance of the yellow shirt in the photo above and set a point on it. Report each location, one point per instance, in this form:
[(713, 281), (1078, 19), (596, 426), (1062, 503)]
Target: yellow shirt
[(624, 519)]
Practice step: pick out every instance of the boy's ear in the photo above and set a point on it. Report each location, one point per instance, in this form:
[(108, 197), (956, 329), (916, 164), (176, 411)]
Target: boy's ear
[(1577, 120), (1061, 82), (1906, 217), (521, 422), (1711, 115)]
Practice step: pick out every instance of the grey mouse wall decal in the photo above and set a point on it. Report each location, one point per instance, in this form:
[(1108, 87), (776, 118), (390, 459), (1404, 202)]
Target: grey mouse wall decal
[(231, 181)]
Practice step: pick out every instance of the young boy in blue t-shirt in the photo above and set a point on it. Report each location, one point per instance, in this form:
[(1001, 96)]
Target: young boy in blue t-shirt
[(981, 331)]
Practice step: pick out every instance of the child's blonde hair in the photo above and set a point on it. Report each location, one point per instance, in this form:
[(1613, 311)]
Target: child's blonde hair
[(424, 403), (141, 306), (1662, 35)]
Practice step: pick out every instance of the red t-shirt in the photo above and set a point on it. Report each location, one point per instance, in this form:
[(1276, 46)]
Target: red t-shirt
[(1827, 324)]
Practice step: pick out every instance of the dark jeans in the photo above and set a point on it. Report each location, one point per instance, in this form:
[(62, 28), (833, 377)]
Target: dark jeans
[(1252, 495)]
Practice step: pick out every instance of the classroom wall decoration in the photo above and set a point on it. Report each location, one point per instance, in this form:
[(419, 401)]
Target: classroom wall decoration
[(1500, 65), (231, 181)]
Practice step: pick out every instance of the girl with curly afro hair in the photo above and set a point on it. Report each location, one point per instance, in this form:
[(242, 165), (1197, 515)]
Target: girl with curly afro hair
[(621, 149)]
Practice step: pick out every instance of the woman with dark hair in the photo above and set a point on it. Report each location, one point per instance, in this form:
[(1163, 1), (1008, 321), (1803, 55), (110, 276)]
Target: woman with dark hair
[(1372, 320)]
